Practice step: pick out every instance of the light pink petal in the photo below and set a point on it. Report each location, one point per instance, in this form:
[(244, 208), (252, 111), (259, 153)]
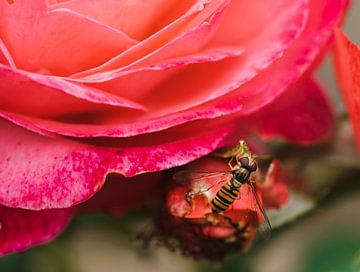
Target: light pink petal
[(204, 82), (40, 95), (138, 19), (37, 172), (208, 81), (21, 229), (5, 57), (304, 106), (254, 19), (118, 125), (25, 122), (137, 82), (200, 83), (169, 42), (184, 48), (59, 41), (248, 98)]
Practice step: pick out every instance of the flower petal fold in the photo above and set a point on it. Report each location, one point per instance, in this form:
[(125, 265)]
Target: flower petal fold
[(67, 172), (138, 19), (164, 45), (5, 57), (59, 42), (39, 95), (303, 114)]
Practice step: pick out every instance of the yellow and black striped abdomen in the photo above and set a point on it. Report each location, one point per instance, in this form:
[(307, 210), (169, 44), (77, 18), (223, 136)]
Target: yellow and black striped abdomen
[(224, 198)]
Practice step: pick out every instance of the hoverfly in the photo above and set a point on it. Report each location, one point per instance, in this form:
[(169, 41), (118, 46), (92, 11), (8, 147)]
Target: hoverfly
[(242, 165)]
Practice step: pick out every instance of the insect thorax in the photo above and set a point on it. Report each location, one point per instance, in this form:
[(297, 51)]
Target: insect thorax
[(241, 176)]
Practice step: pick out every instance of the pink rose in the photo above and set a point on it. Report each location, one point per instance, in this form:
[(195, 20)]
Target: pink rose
[(91, 87)]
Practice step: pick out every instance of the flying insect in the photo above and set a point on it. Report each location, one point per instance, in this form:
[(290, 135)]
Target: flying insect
[(242, 165)]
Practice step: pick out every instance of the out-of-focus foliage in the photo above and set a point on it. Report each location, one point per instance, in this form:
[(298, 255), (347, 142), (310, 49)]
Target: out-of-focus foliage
[(335, 251)]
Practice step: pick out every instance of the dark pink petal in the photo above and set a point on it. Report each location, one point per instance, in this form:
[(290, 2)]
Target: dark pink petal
[(21, 229), (302, 114), (39, 95), (120, 194), (59, 41), (66, 172)]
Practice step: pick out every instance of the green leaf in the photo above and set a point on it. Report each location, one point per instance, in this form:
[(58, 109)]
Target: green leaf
[(297, 206)]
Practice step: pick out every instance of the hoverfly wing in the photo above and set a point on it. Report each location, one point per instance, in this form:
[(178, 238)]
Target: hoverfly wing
[(202, 176), (265, 226)]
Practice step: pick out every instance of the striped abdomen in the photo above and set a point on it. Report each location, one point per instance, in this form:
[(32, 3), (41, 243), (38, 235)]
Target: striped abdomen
[(225, 197)]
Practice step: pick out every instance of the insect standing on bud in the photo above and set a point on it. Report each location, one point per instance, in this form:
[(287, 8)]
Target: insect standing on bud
[(242, 165)]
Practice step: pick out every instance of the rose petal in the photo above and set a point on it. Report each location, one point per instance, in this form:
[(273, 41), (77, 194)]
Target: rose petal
[(21, 229), (25, 123), (40, 95), (136, 82), (162, 46), (67, 172), (177, 204), (138, 19), (211, 84), (304, 106), (120, 194), (5, 57), (59, 41), (265, 88), (204, 82), (274, 191), (347, 66)]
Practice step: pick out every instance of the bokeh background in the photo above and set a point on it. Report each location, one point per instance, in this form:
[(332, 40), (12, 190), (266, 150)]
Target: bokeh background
[(326, 239)]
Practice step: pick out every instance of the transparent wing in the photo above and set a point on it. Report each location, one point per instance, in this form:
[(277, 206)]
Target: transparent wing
[(265, 226), (202, 176)]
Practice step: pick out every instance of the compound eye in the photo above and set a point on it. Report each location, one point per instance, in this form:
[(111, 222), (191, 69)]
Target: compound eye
[(244, 162)]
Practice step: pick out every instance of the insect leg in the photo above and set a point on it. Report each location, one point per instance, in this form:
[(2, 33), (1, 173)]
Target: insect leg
[(190, 195), (230, 163)]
